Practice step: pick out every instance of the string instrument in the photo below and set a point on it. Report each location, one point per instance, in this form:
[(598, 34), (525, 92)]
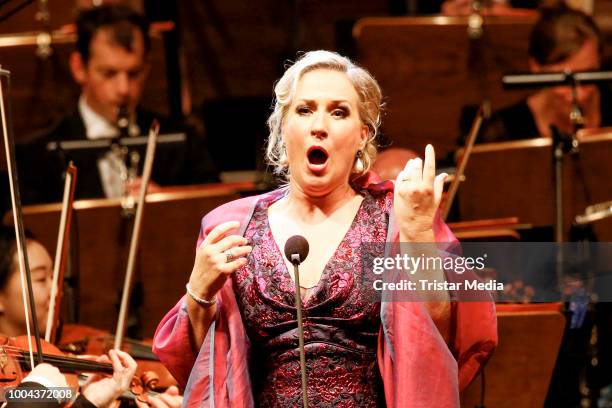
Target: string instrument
[(89, 341), (15, 366)]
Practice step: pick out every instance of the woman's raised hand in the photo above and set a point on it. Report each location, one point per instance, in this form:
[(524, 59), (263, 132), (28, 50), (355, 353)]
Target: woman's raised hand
[(219, 255), (418, 192)]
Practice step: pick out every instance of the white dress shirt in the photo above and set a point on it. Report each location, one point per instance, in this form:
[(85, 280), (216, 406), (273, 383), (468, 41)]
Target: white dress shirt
[(112, 165)]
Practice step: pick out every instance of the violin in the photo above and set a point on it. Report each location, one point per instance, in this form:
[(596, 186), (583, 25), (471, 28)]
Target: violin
[(84, 340), (15, 365)]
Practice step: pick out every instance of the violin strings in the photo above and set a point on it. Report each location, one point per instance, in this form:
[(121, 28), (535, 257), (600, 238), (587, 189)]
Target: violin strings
[(64, 361), (58, 359), (78, 366), (18, 351)]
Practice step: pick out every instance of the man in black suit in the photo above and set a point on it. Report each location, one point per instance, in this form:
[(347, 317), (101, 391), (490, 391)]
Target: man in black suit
[(110, 65)]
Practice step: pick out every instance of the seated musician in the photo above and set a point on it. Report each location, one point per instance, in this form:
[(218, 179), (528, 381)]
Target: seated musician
[(98, 390), (562, 39), (110, 64), (12, 316)]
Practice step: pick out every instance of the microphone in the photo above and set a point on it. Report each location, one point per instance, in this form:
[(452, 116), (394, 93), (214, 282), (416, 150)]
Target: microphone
[(296, 251)]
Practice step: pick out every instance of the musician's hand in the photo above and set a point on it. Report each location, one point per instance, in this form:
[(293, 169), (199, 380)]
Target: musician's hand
[(418, 192), (169, 399), (47, 372), (219, 255), (102, 391)]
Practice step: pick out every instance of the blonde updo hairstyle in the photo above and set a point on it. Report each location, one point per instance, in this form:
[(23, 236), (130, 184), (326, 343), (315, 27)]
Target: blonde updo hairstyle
[(367, 88)]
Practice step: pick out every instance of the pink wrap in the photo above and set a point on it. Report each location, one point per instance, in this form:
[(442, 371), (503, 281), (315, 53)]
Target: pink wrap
[(418, 368)]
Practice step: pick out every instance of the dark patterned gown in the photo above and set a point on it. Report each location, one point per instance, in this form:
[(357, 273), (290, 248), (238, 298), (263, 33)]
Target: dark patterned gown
[(341, 317)]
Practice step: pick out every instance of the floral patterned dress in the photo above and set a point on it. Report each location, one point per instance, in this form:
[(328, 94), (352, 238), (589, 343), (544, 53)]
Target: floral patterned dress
[(341, 317)]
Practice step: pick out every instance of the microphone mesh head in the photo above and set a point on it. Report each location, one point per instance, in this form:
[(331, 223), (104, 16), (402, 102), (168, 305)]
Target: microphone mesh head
[(296, 245)]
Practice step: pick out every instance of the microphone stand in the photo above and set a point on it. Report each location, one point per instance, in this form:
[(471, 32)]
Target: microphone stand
[(562, 145), (295, 260)]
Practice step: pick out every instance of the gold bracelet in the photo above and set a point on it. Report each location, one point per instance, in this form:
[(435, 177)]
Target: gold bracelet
[(199, 300)]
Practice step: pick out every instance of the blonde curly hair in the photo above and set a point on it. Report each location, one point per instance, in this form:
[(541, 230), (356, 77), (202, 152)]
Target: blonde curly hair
[(370, 103)]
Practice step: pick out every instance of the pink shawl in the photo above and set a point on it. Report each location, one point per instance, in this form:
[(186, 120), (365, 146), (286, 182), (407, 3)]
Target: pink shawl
[(418, 367)]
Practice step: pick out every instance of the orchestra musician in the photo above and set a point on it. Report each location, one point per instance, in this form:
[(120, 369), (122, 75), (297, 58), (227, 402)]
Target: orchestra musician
[(99, 390), (110, 64), (232, 338), (563, 39)]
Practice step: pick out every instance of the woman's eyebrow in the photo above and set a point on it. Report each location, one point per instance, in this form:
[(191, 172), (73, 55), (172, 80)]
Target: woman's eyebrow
[(336, 101)]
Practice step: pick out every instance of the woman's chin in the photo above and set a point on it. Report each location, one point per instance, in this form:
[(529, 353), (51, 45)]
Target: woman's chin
[(42, 321), (318, 185)]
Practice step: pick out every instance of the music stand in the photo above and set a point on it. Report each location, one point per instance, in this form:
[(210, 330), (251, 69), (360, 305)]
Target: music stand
[(518, 170), (520, 370), (429, 69), (562, 144)]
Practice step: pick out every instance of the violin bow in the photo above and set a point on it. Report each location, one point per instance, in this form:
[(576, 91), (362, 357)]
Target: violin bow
[(127, 283), (61, 253), (24, 266), (471, 140)]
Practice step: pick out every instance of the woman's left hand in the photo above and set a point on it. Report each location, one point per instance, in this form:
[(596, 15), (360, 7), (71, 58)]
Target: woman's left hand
[(418, 192)]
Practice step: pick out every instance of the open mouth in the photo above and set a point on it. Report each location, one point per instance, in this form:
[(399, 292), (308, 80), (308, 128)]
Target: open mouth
[(317, 156)]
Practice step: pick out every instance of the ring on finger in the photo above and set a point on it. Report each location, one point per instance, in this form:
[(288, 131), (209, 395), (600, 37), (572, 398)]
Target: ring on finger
[(229, 256)]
